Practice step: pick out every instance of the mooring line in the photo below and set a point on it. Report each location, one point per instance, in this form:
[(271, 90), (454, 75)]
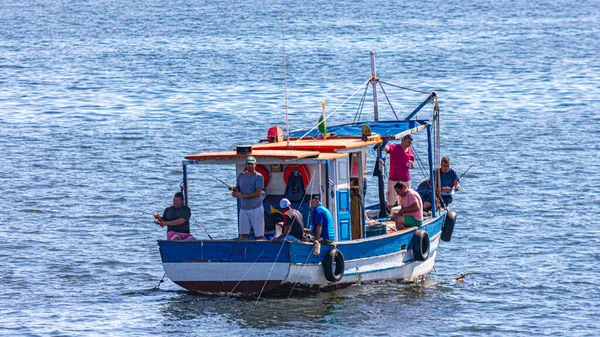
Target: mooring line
[(159, 282)]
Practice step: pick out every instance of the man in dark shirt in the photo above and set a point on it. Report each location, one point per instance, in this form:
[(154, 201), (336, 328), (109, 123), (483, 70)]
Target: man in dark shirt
[(177, 220), (293, 223), (449, 181)]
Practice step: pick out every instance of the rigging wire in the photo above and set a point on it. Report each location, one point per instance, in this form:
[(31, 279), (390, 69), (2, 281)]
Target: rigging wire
[(361, 104), (334, 111), (388, 99), (420, 163), (404, 88)]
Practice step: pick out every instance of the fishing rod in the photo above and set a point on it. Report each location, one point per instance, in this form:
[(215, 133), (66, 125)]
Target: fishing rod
[(221, 181), (193, 217), (465, 172), (198, 223)]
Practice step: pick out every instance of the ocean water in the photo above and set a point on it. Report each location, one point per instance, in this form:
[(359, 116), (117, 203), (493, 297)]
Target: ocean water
[(100, 101)]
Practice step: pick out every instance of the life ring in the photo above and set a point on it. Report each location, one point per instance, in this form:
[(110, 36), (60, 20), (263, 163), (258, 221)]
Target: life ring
[(333, 265), (448, 226), (303, 169), (263, 171), (420, 245)]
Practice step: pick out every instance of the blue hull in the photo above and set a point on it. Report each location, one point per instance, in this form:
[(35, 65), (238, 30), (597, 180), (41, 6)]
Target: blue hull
[(247, 267)]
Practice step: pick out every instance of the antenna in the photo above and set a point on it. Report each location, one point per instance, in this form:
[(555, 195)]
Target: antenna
[(287, 124)]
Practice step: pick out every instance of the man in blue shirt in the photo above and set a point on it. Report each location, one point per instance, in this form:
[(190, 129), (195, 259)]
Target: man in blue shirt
[(322, 221), (448, 180)]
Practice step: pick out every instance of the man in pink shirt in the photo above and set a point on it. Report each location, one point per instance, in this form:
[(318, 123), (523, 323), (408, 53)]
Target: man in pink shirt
[(402, 159), (411, 213)]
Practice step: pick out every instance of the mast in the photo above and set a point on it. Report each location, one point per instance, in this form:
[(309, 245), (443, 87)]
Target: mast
[(374, 81), (378, 166)]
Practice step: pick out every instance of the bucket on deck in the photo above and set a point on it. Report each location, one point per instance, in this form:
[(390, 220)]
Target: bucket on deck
[(374, 230)]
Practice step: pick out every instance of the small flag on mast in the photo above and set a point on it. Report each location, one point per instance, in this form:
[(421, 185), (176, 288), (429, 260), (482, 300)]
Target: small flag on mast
[(322, 126)]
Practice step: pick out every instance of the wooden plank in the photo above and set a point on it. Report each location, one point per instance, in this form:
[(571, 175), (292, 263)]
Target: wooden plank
[(258, 154)]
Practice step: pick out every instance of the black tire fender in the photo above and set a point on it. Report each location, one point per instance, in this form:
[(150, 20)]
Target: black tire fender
[(448, 226), (420, 245), (333, 265)]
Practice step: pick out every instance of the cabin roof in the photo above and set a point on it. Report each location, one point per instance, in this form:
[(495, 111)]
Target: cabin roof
[(258, 154), (320, 145), (386, 129), (341, 139)]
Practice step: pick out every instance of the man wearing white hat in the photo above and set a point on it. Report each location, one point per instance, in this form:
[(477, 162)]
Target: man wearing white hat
[(248, 189), (293, 223)]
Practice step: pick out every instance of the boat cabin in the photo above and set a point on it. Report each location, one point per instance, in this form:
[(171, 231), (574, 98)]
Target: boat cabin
[(333, 166)]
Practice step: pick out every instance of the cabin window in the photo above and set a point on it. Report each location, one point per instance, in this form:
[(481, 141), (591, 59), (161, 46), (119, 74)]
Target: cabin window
[(354, 164), (342, 174)]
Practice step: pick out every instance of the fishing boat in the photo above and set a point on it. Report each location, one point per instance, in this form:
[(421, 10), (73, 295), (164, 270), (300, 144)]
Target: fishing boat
[(332, 163)]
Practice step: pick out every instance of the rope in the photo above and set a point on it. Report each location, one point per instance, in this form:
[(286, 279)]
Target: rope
[(159, 282), (404, 88), (331, 114)]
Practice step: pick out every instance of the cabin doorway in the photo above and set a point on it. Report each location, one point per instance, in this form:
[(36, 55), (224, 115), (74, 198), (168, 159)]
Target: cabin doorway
[(357, 180)]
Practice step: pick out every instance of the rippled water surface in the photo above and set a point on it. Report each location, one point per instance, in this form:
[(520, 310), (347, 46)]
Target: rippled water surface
[(100, 101)]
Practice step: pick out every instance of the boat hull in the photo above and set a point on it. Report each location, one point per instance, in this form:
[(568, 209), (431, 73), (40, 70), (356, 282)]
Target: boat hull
[(253, 267)]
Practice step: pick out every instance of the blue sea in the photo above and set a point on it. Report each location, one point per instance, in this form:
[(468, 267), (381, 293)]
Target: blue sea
[(100, 100)]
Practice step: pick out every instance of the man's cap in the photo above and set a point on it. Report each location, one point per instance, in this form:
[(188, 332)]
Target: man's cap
[(409, 136), (316, 197), (284, 203), (250, 160)]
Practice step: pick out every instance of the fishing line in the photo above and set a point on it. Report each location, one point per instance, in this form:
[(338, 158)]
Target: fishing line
[(283, 241), (301, 270), (252, 265), (268, 275)]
